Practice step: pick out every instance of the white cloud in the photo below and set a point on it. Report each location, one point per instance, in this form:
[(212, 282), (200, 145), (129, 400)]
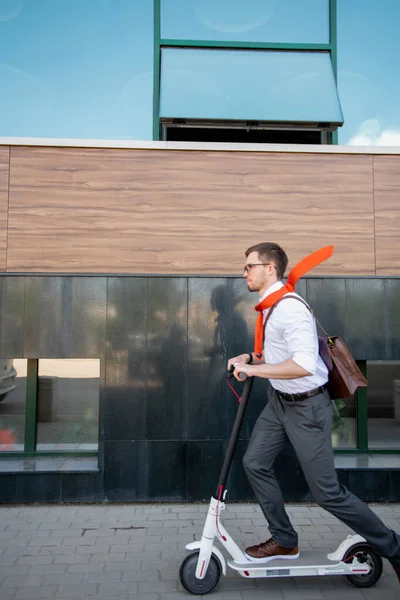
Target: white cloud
[(370, 133)]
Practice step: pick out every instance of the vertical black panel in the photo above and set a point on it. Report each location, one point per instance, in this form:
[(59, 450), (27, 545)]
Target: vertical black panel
[(8, 488), (238, 485), (209, 327), (167, 358), (365, 323), (372, 485), (301, 288), (124, 415), (395, 485), (204, 463), (82, 487), (241, 305), (39, 487), (65, 317), (392, 318), (43, 318), (12, 295), (86, 301), (241, 302), (327, 298), (166, 478), (125, 471)]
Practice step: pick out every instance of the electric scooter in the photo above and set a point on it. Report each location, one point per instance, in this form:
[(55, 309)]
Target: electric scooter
[(201, 570)]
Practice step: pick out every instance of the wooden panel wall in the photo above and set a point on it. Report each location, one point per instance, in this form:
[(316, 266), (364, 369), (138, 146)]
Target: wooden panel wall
[(4, 175), (157, 211), (387, 214)]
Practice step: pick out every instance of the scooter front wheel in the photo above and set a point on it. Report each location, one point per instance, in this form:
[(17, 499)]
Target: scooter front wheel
[(364, 553), (187, 574)]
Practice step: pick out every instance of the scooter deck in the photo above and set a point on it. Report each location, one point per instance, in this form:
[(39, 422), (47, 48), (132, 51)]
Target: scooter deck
[(310, 562)]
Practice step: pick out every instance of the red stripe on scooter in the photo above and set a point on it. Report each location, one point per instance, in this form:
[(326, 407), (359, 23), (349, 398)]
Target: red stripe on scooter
[(202, 568)]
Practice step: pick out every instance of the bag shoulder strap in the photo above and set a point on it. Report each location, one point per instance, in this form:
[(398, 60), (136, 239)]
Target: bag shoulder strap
[(286, 296)]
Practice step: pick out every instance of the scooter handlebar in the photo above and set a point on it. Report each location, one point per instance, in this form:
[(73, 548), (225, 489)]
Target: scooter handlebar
[(242, 376)]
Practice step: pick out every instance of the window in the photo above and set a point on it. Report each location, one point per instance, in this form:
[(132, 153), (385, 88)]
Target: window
[(370, 422), (49, 405), (249, 85), (68, 404), (344, 430), (383, 404), (279, 21), (12, 404)]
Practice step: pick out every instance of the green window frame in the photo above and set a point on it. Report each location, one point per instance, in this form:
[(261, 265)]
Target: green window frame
[(159, 43), (31, 413), (362, 444)]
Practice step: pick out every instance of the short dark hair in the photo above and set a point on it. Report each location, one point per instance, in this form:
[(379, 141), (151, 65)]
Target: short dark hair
[(268, 251)]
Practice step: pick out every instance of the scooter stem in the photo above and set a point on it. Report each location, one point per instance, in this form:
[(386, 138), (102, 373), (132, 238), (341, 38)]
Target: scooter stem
[(234, 438)]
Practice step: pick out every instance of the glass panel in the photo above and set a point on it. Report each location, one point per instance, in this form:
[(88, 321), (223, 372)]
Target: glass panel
[(68, 404), (369, 86), (281, 21), (12, 403), (383, 404), (344, 423), (243, 84), (76, 69)]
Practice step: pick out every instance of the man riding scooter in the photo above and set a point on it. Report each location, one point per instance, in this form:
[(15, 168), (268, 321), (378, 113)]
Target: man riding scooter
[(298, 410)]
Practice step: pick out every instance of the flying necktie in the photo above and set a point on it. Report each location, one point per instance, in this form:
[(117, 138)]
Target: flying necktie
[(305, 265)]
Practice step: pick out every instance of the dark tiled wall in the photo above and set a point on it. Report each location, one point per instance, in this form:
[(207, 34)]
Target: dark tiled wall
[(165, 409)]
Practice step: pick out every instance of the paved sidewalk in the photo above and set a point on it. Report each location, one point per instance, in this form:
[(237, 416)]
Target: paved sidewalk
[(133, 552)]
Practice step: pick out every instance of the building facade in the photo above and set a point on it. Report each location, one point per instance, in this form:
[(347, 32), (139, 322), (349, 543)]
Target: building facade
[(143, 148)]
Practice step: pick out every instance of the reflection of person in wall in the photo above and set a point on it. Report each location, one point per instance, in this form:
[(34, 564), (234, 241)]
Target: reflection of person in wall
[(299, 409), (169, 359), (230, 327)]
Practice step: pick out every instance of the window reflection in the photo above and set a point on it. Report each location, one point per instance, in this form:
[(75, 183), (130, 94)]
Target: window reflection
[(383, 404), (245, 84), (344, 423), (68, 404), (12, 404), (246, 20)]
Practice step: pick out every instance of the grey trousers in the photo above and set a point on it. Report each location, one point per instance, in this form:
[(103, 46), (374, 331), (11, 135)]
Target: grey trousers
[(308, 426)]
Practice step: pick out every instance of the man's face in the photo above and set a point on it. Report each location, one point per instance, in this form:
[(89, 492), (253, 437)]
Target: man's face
[(255, 273)]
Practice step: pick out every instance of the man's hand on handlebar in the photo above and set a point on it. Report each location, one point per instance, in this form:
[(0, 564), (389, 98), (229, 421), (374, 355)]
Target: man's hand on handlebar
[(240, 366), (242, 358)]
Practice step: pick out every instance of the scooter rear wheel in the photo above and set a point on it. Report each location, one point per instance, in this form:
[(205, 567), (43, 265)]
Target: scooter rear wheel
[(374, 561), (187, 574)]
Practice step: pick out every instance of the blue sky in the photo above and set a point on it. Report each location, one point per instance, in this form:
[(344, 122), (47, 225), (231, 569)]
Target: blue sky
[(76, 68), (84, 68)]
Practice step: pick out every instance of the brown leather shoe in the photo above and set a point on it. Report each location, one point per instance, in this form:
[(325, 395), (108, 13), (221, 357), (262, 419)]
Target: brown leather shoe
[(270, 550), (397, 570)]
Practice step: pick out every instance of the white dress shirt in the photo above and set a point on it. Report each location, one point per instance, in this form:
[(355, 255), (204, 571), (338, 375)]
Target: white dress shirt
[(291, 332)]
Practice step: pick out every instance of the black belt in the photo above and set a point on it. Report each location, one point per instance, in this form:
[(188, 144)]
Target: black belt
[(301, 395)]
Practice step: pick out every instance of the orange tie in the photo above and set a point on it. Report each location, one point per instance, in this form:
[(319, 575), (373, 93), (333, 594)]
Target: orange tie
[(305, 265)]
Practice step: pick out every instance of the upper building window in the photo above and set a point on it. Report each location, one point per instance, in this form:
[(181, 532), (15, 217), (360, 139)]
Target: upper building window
[(248, 89), (276, 21)]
